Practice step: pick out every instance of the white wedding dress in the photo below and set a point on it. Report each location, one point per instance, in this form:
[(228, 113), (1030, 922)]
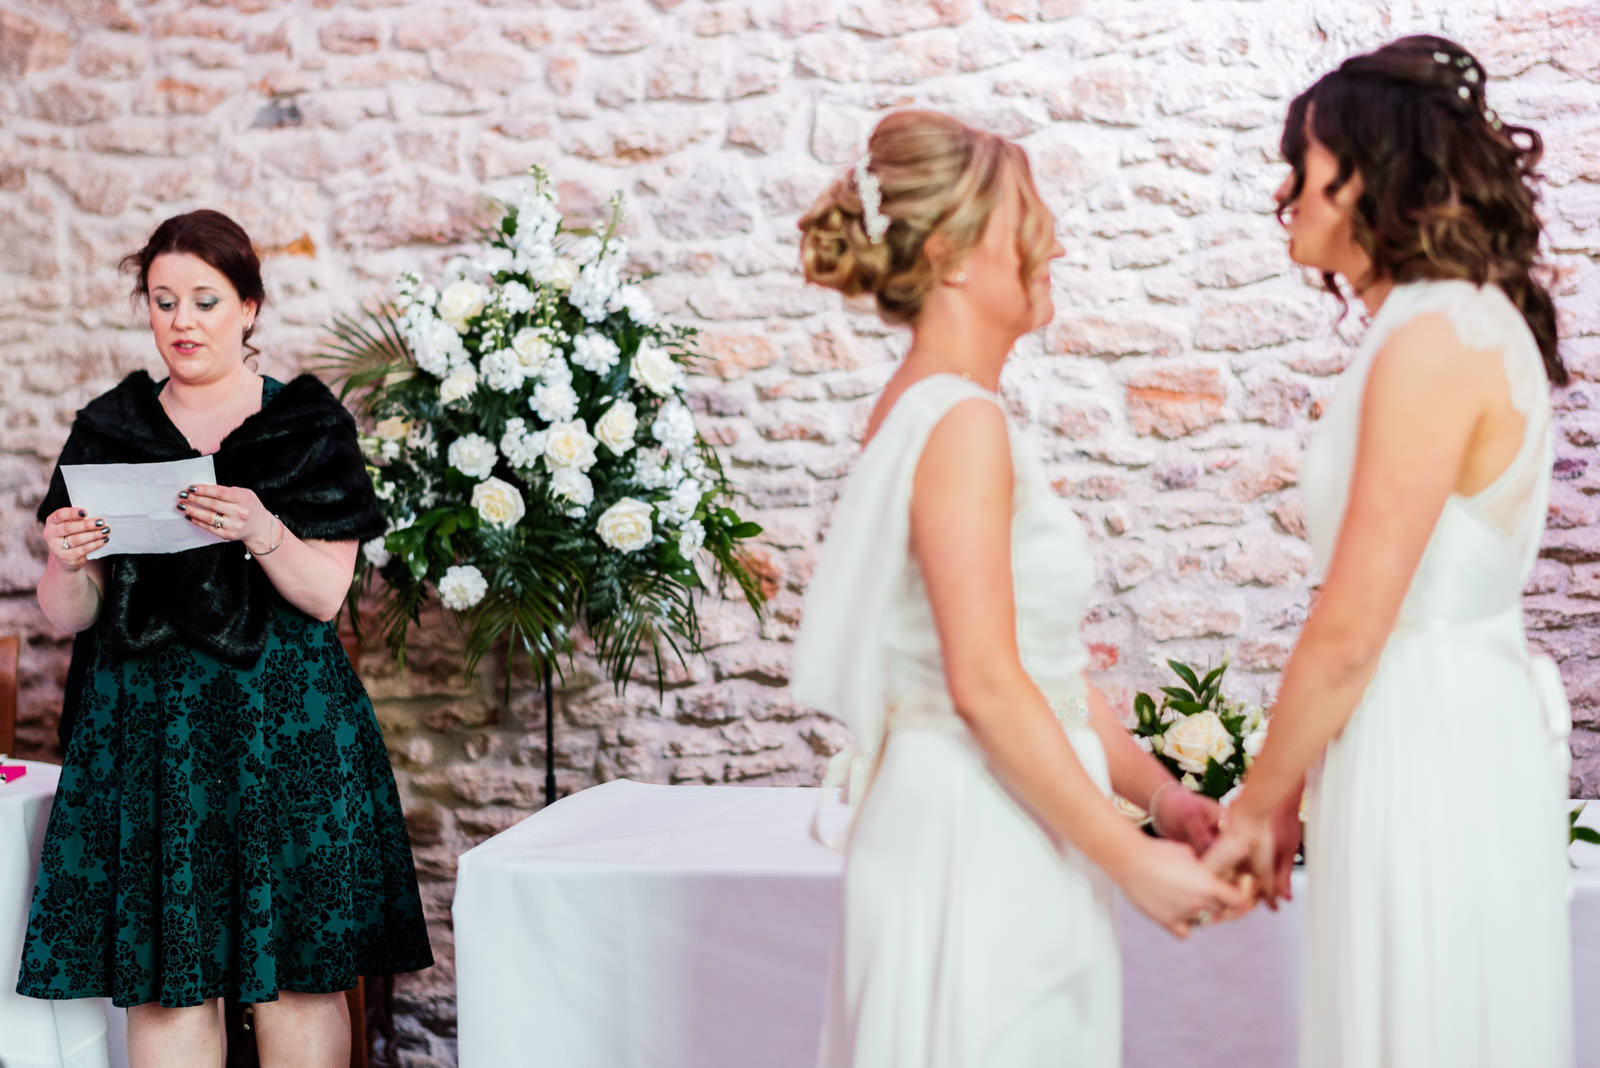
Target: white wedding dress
[(970, 936), (1436, 918)]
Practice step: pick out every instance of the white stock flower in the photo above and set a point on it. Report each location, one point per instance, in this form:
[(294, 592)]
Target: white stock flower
[(493, 260), (521, 447), (375, 552), (616, 428), (473, 455), (498, 503), (652, 368), (569, 445), (420, 439), (1253, 743), (595, 352), (434, 343), (533, 348), (516, 298), (678, 507), (462, 587), (502, 371), (674, 428), (585, 250), (554, 402), (637, 304), (625, 526), (653, 470), (595, 289), (691, 538), (572, 487), (458, 385), (461, 301), (389, 450), (1144, 742), (1194, 740)]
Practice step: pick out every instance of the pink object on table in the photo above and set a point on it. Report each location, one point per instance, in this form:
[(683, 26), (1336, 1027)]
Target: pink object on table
[(11, 772)]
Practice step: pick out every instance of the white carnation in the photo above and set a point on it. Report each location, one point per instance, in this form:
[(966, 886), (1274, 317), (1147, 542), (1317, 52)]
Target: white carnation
[(674, 428), (473, 455), (573, 488), (625, 526), (617, 427), (458, 385), (502, 371), (652, 368), (595, 352), (653, 470), (685, 498), (460, 302), (375, 552), (569, 445), (498, 503), (691, 538), (521, 447), (554, 402), (638, 306), (462, 587)]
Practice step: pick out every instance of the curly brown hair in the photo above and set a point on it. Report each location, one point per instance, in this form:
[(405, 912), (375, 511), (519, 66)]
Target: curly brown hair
[(1448, 188), (936, 175)]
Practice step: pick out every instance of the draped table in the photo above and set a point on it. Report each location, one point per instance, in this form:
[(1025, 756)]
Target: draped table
[(641, 926), (33, 1033)]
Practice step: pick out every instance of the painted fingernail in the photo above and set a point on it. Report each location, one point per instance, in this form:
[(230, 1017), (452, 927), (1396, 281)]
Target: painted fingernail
[(191, 489), (182, 508), (183, 494), (99, 522), (81, 513)]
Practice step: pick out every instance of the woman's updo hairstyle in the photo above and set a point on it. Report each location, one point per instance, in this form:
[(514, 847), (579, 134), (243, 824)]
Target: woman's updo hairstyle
[(933, 174), (214, 238), (1448, 187)]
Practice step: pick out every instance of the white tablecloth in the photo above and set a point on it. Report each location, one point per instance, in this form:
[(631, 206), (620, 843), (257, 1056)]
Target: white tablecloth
[(639, 926), (34, 1033)]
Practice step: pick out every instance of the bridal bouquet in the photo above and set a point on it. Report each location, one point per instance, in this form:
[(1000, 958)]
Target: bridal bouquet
[(533, 452), (1203, 737)]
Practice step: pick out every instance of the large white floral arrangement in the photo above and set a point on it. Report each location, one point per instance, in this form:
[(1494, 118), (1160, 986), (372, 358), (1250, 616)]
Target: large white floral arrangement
[(533, 449)]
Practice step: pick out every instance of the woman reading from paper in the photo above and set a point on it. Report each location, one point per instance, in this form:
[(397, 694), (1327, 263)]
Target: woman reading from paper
[(227, 824), (1436, 920), (942, 626)]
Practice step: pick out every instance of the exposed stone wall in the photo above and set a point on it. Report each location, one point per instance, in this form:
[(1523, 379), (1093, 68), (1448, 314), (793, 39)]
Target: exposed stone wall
[(1171, 397)]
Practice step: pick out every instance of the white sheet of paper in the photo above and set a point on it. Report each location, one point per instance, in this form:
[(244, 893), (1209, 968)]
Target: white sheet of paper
[(139, 502)]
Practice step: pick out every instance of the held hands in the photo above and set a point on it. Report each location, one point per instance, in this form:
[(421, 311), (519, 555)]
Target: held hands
[(1185, 816), (1168, 884), (1261, 849), (232, 513), (70, 535)]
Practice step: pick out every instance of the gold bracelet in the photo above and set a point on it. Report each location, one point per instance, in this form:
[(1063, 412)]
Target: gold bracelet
[(275, 545)]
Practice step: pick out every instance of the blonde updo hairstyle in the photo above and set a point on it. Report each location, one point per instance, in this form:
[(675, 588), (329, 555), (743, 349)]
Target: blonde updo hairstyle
[(937, 176)]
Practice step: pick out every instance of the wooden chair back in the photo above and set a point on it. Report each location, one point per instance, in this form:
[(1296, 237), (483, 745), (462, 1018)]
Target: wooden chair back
[(10, 654)]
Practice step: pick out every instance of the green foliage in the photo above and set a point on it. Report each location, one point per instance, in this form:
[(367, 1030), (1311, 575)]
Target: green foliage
[(1192, 695)]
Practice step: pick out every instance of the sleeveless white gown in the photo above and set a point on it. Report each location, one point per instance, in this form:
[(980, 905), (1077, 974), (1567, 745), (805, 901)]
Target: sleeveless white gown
[(970, 936), (1436, 918)]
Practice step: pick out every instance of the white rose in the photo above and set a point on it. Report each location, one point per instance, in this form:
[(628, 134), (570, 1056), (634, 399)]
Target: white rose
[(462, 587), (375, 552), (562, 273), (616, 428), (691, 539), (473, 455), (569, 445), (573, 487), (1195, 739), (625, 526), (655, 370), (458, 385), (393, 428), (498, 503), (532, 349), (461, 301)]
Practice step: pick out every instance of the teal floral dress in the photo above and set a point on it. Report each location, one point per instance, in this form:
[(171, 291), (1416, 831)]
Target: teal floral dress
[(223, 829)]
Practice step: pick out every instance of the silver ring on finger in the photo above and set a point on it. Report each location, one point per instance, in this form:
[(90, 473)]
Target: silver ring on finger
[(66, 546), (217, 523), (1202, 917)]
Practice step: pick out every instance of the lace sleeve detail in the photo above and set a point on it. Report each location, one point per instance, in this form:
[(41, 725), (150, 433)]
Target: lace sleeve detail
[(1485, 318)]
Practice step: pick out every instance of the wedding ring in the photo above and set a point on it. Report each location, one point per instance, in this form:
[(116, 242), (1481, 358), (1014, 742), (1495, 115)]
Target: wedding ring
[(1202, 917), (217, 523), (66, 546)]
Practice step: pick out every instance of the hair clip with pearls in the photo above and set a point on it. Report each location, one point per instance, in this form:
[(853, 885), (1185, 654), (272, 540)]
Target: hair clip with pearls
[(871, 194)]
